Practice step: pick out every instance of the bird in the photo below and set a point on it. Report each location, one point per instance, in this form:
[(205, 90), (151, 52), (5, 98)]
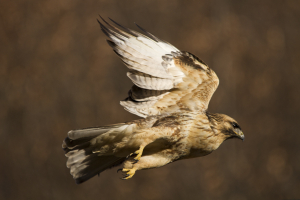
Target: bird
[(171, 93)]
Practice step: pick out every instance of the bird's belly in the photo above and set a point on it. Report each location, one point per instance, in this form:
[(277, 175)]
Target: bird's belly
[(196, 153)]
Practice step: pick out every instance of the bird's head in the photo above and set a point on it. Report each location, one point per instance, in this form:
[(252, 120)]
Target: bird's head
[(226, 126)]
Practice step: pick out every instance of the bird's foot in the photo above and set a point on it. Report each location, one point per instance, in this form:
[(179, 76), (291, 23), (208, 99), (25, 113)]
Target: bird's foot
[(129, 173), (138, 153)]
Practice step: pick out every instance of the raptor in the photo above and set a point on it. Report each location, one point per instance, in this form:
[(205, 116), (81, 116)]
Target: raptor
[(171, 93)]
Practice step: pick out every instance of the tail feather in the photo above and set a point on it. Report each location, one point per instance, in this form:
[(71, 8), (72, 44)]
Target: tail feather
[(93, 165), (72, 145), (91, 132), (83, 163), (77, 157)]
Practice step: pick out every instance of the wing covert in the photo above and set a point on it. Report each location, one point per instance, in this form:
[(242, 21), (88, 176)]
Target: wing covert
[(166, 80)]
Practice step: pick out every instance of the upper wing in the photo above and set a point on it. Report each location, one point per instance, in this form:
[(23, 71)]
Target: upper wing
[(166, 79)]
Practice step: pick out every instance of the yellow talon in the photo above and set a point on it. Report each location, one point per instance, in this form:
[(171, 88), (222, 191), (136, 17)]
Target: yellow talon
[(129, 174), (139, 153)]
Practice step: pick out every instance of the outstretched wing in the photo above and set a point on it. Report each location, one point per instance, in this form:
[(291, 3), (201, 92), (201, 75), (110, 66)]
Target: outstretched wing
[(166, 80)]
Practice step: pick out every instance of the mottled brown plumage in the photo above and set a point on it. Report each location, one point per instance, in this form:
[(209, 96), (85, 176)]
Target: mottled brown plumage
[(172, 90)]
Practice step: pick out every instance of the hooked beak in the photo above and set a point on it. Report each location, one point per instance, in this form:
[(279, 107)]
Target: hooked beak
[(239, 134), (242, 137)]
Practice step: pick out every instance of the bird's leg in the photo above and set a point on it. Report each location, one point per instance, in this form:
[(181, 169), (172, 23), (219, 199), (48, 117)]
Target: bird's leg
[(146, 162), (138, 153), (129, 174)]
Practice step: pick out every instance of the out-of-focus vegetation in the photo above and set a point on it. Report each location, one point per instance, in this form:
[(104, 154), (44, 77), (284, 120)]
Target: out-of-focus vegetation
[(57, 73)]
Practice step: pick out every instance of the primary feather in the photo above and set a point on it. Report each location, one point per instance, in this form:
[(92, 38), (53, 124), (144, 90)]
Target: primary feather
[(158, 65), (171, 91)]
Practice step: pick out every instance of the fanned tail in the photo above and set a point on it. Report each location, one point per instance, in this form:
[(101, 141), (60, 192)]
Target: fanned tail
[(83, 163)]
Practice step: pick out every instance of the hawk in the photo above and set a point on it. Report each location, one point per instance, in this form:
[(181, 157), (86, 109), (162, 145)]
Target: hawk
[(171, 93)]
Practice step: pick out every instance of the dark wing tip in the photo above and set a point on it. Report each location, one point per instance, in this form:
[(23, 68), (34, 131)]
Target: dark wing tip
[(147, 33), (127, 30), (111, 43)]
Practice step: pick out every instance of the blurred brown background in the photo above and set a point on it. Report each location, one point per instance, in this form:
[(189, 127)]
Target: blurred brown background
[(57, 73)]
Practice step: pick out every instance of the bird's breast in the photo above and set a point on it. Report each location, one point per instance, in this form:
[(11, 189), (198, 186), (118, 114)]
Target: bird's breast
[(201, 138)]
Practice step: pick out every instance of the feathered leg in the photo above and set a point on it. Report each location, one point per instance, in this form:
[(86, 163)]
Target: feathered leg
[(145, 162)]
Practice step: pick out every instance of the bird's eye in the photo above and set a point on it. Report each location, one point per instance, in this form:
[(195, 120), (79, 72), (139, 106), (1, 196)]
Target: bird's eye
[(235, 125)]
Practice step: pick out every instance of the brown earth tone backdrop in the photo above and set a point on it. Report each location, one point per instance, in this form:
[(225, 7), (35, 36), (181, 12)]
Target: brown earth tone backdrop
[(57, 73)]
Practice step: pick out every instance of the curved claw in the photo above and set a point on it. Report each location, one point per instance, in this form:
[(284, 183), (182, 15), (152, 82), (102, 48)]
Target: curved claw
[(135, 161), (119, 170), (125, 177), (129, 174), (139, 153)]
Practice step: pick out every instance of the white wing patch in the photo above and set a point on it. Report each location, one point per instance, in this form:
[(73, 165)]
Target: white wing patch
[(150, 82), (160, 83)]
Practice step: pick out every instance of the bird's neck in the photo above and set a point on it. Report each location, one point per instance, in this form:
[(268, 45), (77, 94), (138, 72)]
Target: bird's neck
[(203, 137)]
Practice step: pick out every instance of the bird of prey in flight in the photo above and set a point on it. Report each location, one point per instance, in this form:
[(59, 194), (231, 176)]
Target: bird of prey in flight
[(171, 92)]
